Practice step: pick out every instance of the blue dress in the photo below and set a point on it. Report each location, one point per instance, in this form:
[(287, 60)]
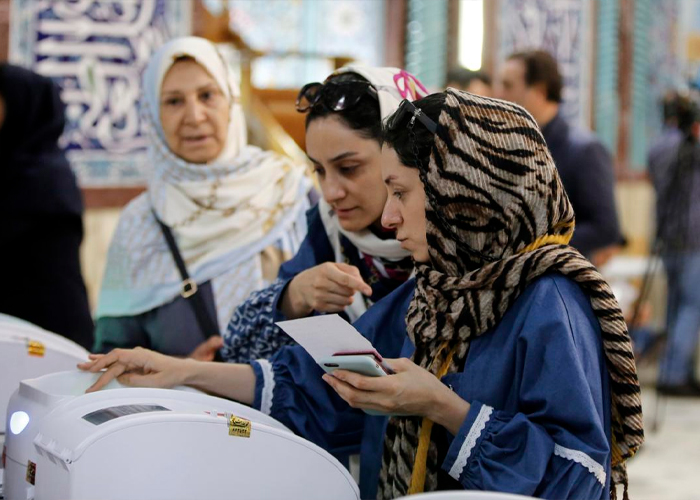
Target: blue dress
[(252, 333), (539, 422)]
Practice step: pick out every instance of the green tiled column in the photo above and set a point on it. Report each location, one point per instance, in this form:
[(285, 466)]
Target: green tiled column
[(426, 41), (605, 96)]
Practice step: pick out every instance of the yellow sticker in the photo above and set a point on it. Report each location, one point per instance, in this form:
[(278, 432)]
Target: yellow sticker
[(239, 427), (31, 472), (35, 348)]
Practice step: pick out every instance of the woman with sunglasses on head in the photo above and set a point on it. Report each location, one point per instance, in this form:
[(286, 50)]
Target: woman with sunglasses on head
[(217, 219), (348, 261), (516, 371)]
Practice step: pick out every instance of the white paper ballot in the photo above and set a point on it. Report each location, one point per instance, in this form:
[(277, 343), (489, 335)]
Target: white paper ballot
[(326, 335)]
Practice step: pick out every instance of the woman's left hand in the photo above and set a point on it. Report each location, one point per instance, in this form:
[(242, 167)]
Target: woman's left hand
[(412, 390)]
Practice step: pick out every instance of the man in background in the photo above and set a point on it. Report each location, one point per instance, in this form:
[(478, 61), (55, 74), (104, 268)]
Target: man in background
[(474, 82), (532, 80)]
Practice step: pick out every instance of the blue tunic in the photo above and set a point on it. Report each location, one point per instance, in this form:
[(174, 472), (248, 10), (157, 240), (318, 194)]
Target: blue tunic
[(539, 422), (252, 333)]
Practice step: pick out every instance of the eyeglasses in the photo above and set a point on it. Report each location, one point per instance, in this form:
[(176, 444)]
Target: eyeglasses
[(334, 96), (408, 108)]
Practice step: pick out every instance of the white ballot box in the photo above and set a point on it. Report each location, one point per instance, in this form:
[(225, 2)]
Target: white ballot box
[(130, 443), (27, 351), (31, 402)]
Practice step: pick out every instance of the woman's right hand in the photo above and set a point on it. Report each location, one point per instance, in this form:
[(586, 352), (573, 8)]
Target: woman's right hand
[(137, 368), (328, 287)]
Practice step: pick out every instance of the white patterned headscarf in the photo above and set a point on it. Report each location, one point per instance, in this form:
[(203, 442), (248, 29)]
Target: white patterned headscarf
[(222, 213)]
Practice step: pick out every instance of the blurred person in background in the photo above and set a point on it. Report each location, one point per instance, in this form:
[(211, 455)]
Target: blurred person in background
[(532, 79), (224, 212), (475, 82), (674, 168), (42, 228)]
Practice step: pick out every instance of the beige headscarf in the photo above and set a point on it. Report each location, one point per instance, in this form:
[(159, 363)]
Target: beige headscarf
[(223, 213)]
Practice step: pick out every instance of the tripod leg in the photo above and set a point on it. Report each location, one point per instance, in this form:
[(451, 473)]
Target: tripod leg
[(659, 411)]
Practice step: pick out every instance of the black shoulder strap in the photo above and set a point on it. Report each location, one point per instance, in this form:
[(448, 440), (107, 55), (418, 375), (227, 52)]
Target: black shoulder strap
[(207, 325)]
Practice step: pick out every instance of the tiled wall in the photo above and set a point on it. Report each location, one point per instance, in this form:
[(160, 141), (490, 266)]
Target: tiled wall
[(565, 30), (426, 41), (95, 51)]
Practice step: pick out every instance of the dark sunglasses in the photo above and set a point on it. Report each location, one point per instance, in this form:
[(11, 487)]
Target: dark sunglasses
[(408, 108), (334, 96)]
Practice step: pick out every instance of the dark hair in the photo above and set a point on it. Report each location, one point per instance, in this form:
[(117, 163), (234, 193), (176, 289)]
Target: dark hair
[(414, 145), (680, 110), (541, 67), (364, 117), (464, 77), (182, 58)]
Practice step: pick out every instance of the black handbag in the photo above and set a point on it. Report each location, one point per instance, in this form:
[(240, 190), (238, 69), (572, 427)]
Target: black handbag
[(190, 290)]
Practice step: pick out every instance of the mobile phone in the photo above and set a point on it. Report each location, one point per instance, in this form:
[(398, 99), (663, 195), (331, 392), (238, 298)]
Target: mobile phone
[(373, 354), (364, 364)]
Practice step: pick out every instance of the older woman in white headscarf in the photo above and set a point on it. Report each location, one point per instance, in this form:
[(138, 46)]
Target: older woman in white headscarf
[(226, 203)]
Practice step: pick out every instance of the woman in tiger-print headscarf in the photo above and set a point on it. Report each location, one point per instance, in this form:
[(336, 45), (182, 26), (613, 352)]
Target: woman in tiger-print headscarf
[(545, 399)]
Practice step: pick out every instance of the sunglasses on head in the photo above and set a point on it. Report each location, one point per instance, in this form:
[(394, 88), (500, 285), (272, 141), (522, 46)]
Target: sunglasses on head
[(335, 96), (407, 108)]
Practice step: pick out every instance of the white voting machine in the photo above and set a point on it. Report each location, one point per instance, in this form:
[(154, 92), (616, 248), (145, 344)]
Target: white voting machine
[(130, 443), (27, 351)]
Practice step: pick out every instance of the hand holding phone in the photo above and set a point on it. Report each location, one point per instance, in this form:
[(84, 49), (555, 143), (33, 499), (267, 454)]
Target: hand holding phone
[(367, 364)]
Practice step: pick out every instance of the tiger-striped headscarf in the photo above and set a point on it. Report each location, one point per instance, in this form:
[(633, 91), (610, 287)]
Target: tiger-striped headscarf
[(497, 219)]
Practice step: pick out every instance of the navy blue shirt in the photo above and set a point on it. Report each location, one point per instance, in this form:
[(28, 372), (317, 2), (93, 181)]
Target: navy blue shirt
[(539, 422), (586, 170)]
